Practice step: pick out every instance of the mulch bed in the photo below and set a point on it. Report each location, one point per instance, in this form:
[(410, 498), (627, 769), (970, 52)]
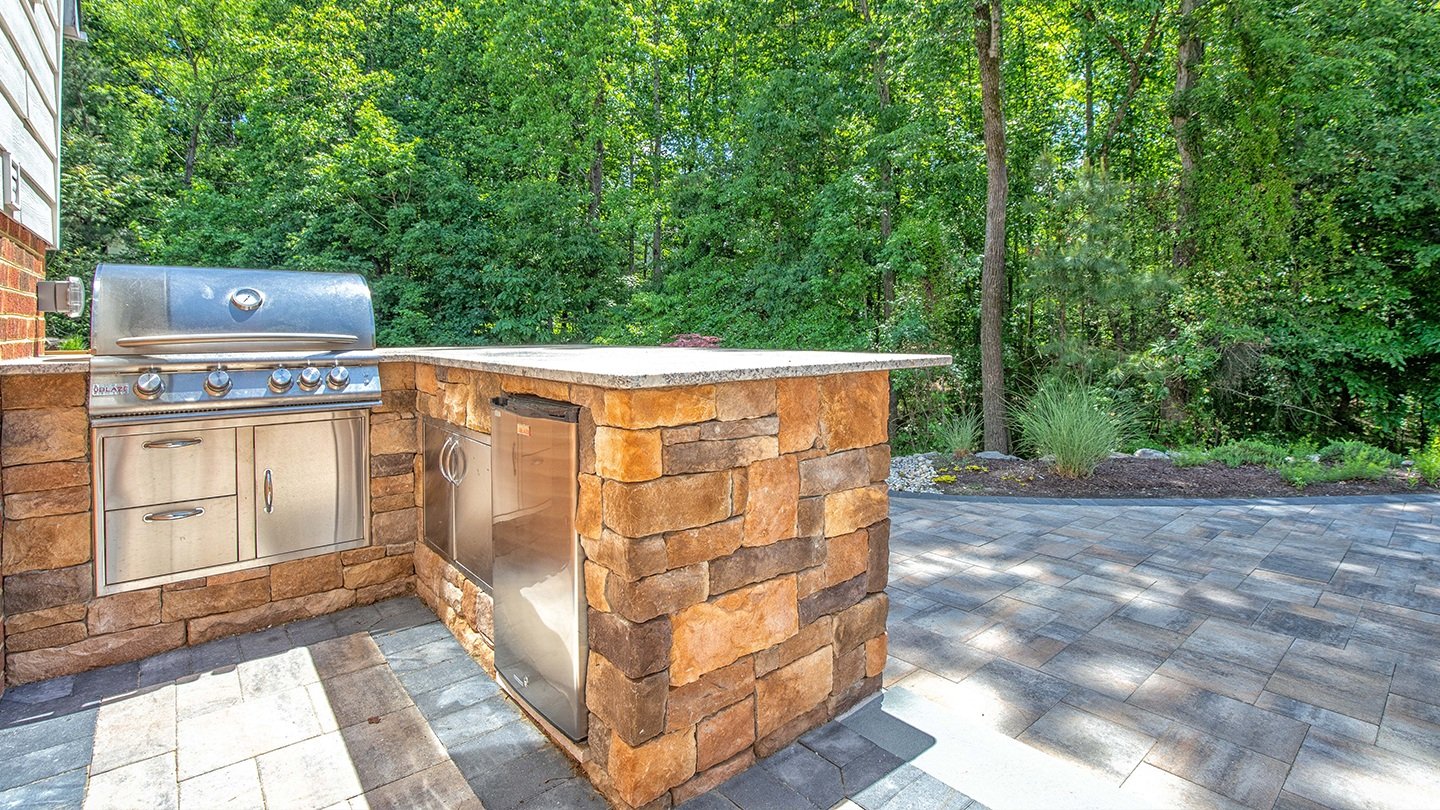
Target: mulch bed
[(1149, 478)]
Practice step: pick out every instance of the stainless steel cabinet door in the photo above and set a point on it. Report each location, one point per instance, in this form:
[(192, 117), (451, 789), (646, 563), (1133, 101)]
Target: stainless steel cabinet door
[(152, 541), (164, 467), (438, 494), (310, 487), (469, 469)]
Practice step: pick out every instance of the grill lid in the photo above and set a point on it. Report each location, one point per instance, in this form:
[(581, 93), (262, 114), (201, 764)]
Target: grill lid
[(144, 310)]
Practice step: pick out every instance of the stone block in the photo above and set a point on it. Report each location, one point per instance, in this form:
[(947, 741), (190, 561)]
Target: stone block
[(877, 574), (853, 509), (56, 635), (588, 516), (393, 485), (813, 636), (48, 476), (42, 391), (310, 575), (123, 611), (798, 405), (681, 435), (178, 605), (43, 543), (392, 464), (849, 668), (810, 580), (772, 500), (713, 634), (666, 504), (810, 518), (596, 579), (636, 649), (633, 709), (861, 622), (846, 556), (657, 407), (37, 590), (793, 690), (400, 526), (832, 600), (390, 503), (849, 469), (708, 456), (375, 572), (878, 456), (630, 559), (25, 622), (93, 652), (693, 702), (725, 734), (39, 435), (547, 389), (712, 778), (397, 376), (627, 455), (238, 576), (394, 433), (425, 378), (645, 773), (876, 649), (207, 628), (854, 410), (660, 595), (759, 563), (691, 546), (745, 400), (370, 594), (739, 429), (355, 556)]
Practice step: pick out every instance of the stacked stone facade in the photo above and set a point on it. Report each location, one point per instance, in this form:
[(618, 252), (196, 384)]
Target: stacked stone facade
[(22, 264)]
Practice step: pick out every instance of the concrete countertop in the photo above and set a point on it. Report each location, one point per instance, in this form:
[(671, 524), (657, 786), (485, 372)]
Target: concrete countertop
[(48, 364)]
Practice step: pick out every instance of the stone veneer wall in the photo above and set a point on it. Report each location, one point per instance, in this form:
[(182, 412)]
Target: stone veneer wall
[(737, 538), (53, 624)]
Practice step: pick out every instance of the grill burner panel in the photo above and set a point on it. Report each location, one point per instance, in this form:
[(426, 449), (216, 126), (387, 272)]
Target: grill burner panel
[(118, 389)]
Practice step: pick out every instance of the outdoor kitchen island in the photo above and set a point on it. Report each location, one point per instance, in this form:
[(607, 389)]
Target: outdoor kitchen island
[(731, 506)]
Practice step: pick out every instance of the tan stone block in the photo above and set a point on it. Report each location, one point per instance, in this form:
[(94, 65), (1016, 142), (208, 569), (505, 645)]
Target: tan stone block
[(853, 509), (628, 558), (310, 575), (634, 709), (397, 376), (627, 455), (739, 490), (812, 636), (399, 526), (547, 389), (862, 622), (854, 409), (56, 635), (713, 778), (693, 702), (595, 580), (238, 576), (666, 504), (25, 622), (393, 485), (745, 400), (45, 543), (708, 456), (713, 634), (370, 594), (773, 501), (660, 595), (588, 515), (396, 434), (637, 649), (52, 475), (739, 429), (657, 407), (799, 410), (846, 556), (177, 605), (207, 628), (810, 517), (876, 650), (95, 651), (725, 734), (376, 572), (809, 581), (360, 555), (39, 435), (124, 611), (425, 380), (848, 469), (646, 773), (879, 458), (390, 503), (690, 546), (792, 690), (42, 391), (453, 402), (680, 435), (791, 730)]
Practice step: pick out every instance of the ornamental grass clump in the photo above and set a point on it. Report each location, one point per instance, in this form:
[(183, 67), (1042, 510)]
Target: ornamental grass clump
[(1068, 421), (960, 434)]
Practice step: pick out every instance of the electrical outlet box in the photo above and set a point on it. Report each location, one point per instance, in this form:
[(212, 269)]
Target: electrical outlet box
[(9, 184)]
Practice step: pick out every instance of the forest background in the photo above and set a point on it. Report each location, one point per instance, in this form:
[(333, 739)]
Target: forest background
[(1222, 214)]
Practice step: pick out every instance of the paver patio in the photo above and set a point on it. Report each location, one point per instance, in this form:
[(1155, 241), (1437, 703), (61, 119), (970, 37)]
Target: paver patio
[(1046, 654)]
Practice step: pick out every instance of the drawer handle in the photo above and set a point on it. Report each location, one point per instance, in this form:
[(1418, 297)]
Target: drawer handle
[(269, 493), (178, 514), (170, 444)]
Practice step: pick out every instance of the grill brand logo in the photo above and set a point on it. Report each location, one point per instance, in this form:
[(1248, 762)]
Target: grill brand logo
[(523, 429), (109, 389)]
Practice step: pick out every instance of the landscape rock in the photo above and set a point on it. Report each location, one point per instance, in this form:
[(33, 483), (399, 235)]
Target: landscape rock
[(996, 455), (1147, 452)]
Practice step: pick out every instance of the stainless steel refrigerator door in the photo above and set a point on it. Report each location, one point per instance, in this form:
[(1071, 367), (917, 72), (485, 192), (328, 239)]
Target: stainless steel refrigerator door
[(469, 470), (540, 643)]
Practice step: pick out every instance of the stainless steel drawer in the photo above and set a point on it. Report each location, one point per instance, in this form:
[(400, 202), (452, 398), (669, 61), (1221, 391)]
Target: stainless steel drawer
[(156, 468), (151, 541)]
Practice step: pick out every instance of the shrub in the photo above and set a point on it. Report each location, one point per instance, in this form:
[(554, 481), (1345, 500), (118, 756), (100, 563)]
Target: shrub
[(1304, 473), (1249, 451), (1189, 457), (1427, 463), (960, 434), (1066, 420), (1346, 452)]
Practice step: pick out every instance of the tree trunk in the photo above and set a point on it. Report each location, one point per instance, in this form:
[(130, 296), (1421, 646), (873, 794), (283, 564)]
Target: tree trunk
[(992, 273), (1189, 54), (657, 271), (596, 175), (887, 171)]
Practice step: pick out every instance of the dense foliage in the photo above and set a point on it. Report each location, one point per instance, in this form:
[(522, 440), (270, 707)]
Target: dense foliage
[(785, 173)]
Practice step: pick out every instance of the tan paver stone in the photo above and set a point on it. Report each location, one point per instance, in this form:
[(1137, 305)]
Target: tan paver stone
[(437, 786), (137, 727), (209, 692), (149, 783), (392, 747), (234, 787), (277, 673), (244, 730), (357, 696), (310, 774)]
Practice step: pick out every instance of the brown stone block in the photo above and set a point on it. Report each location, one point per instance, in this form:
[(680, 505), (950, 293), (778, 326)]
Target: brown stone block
[(657, 407), (205, 601), (378, 571), (876, 650), (207, 628), (709, 456), (548, 389), (853, 695), (35, 436), (184, 585), (637, 649), (846, 556), (393, 485), (740, 429), (393, 464), (878, 567), (400, 526), (49, 476), (627, 455), (690, 546), (660, 595), (310, 575), (371, 594), (681, 435), (124, 611), (860, 623), (95, 651), (634, 709), (809, 581), (854, 509), (832, 600), (739, 490), (849, 469), (693, 702), (793, 690), (854, 409), (25, 622), (759, 563), (42, 391), (713, 778), (394, 433), (396, 402), (485, 615), (645, 773), (773, 500), (813, 636), (45, 543), (390, 503), (56, 635), (849, 668), (725, 734), (713, 634), (238, 576), (666, 504), (397, 376), (745, 400), (360, 555), (596, 577), (879, 458), (799, 410), (628, 558), (37, 590), (810, 518)]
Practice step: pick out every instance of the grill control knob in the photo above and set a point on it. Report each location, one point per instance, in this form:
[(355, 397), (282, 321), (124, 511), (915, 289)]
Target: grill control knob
[(310, 378), (338, 378), (217, 382), (149, 386), (280, 380)]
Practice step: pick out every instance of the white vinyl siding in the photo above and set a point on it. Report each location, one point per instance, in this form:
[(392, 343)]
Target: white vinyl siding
[(30, 48)]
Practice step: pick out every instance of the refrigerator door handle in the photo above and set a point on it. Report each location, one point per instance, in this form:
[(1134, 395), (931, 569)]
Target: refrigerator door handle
[(459, 462), (445, 451)]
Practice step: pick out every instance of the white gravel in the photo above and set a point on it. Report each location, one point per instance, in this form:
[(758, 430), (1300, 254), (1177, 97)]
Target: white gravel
[(912, 473)]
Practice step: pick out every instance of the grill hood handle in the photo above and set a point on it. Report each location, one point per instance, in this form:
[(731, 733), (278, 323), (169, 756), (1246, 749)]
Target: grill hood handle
[(308, 338)]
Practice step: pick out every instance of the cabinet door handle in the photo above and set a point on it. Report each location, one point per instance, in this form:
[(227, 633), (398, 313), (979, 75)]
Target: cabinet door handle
[(464, 464), (269, 493), (445, 451), (170, 444), (178, 514)]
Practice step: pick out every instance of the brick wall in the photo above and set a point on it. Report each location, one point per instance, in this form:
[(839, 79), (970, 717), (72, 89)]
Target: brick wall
[(22, 263)]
